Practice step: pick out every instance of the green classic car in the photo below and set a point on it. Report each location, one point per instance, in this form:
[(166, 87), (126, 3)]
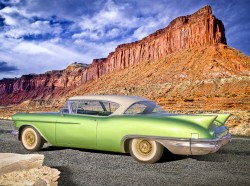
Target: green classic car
[(126, 124)]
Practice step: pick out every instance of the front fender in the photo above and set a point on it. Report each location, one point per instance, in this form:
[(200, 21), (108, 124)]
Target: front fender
[(28, 125)]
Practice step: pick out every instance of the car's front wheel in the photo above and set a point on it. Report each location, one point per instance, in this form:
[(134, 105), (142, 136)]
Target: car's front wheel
[(31, 139), (145, 151)]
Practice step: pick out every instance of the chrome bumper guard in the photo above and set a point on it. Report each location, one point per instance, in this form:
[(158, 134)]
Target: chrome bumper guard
[(195, 146)]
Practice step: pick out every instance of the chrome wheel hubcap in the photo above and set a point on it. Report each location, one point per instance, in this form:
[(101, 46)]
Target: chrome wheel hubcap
[(144, 147), (30, 138)]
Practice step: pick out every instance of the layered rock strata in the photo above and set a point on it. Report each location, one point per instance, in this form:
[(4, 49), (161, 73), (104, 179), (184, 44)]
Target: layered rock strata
[(40, 86)]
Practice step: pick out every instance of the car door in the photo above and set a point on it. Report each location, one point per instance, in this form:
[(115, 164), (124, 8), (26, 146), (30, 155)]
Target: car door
[(76, 129)]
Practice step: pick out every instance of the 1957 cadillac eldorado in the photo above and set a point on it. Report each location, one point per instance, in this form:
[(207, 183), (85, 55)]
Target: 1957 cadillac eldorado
[(126, 124)]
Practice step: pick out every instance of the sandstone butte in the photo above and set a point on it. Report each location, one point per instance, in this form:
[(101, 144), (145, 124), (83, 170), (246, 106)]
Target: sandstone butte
[(185, 67)]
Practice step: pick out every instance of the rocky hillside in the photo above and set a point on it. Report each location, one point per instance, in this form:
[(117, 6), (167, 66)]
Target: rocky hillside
[(214, 77), (208, 71)]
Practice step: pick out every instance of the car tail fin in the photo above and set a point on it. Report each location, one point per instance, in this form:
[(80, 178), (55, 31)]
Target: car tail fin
[(202, 120), (221, 119)]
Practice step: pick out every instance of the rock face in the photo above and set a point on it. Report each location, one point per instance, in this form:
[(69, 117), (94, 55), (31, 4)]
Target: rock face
[(198, 29), (18, 169), (11, 162), (40, 86)]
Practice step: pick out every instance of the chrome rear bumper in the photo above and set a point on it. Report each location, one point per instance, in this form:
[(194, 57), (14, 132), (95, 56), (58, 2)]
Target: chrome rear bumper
[(195, 146)]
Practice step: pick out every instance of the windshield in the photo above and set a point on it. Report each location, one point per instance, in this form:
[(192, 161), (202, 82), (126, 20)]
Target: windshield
[(144, 107)]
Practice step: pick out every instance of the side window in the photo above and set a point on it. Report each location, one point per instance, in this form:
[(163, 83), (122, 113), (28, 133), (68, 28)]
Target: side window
[(137, 108), (144, 107), (110, 106), (100, 108), (89, 106), (73, 106)]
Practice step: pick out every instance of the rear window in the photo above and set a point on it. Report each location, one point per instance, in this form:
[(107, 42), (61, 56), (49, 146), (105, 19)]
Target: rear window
[(144, 107)]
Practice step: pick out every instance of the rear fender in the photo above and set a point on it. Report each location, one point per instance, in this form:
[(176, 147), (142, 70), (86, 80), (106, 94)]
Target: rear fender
[(125, 141), (202, 120)]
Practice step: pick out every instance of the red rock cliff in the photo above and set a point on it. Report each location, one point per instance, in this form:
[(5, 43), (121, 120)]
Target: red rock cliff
[(40, 86), (198, 29)]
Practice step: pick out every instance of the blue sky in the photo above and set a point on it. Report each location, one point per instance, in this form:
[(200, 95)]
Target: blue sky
[(41, 35)]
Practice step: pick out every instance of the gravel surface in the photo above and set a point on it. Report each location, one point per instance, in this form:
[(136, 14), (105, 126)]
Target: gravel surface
[(229, 166)]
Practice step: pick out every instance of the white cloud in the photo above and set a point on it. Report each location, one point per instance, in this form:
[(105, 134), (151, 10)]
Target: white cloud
[(35, 28), (114, 32), (111, 20), (7, 10), (141, 32), (13, 16), (9, 20), (110, 14), (32, 57), (31, 48)]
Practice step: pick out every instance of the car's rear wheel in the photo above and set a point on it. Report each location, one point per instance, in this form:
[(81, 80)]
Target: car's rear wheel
[(145, 151), (31, 139)]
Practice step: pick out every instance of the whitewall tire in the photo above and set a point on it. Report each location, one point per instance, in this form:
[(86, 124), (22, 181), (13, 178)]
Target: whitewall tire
[(145, 150), (31, 139)]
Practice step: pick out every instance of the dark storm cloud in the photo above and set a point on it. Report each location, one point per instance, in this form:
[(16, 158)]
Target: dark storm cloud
[(65, 9), (1, 22), (1, 5), (5, 68)]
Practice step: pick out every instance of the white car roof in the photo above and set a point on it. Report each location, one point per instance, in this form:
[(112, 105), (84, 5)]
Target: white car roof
[(123, 100)]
